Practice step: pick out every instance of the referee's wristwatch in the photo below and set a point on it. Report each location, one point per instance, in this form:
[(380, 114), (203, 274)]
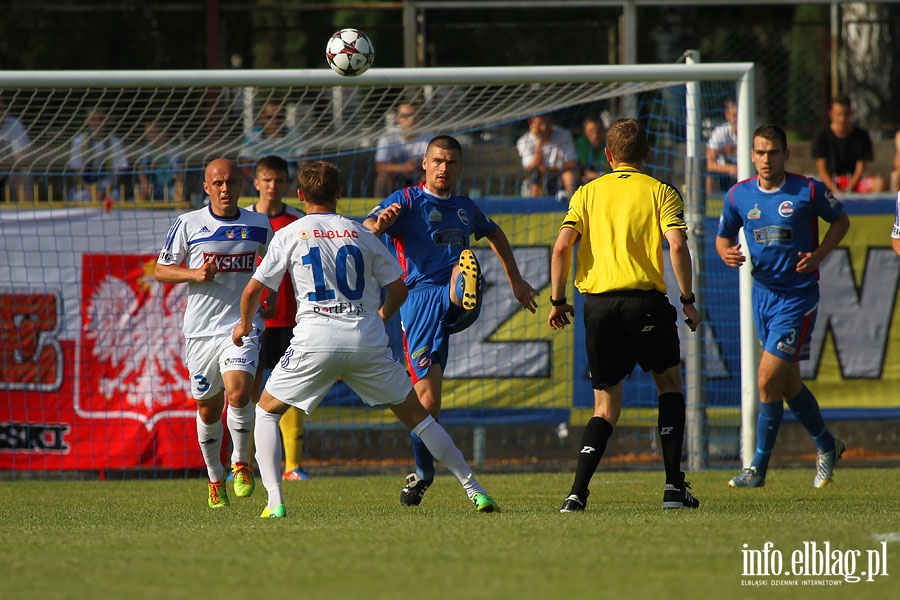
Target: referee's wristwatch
[(557, 301), (689, 300)]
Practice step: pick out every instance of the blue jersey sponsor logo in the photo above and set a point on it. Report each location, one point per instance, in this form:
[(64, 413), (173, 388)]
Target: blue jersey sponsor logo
[(450, 237), (773, 234)]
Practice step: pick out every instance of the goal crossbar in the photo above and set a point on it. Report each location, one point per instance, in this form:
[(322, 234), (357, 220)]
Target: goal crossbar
[(375, 76)]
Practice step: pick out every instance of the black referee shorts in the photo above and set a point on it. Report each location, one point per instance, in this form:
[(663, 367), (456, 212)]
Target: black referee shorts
[(275, 340), (625, 328)]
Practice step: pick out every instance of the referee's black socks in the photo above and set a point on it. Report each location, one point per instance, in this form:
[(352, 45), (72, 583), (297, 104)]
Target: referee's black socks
[(670, 425), (593, 445)]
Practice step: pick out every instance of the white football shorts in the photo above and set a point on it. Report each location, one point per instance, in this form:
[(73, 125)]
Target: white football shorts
[(208, 357), (302, 378)]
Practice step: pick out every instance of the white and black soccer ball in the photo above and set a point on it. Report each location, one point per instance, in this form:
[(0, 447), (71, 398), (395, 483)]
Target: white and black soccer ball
[(349, 52)]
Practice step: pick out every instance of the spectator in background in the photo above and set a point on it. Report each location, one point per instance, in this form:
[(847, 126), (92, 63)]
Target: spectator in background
[(721, 153), (399, 152), (590, 147), (549, 159), (895, 174), (270, 178), (99, 158), (842, 150), (273, 136), (160, 171), (14, 144)]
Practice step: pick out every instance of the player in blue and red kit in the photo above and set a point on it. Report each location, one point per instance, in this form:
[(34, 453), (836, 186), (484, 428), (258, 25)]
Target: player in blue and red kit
[(429, 228), (779, 212)]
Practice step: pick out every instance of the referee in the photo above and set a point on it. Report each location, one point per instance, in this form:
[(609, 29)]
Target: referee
[(621, 221)]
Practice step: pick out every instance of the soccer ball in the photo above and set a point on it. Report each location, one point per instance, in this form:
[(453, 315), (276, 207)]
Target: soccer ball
[(349, 52)]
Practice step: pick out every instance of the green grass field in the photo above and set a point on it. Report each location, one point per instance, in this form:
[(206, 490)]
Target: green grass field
[(348, 537)]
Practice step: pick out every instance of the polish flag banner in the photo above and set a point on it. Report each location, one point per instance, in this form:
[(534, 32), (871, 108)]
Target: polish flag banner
[(91, 370)]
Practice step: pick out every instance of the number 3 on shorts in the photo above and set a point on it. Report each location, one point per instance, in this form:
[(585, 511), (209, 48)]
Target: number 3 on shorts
[(201, 383)]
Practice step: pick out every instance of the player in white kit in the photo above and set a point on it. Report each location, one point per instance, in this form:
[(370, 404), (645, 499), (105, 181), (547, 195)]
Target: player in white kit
[(338, 268), (214, 249)]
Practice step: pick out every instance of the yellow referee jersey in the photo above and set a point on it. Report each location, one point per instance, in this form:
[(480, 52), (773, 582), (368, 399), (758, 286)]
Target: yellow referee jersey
[(622, 218)]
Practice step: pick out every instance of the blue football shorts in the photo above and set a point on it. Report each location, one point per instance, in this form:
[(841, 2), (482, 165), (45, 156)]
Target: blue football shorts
[(785, 321), (429, 318)]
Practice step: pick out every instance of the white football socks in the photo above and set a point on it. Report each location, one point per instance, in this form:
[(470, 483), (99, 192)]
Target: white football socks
[(441, 446), (268, 454), (210, 438), (240, 426)]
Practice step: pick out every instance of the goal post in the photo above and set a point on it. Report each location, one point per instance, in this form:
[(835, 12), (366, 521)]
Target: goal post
[(73, 255)]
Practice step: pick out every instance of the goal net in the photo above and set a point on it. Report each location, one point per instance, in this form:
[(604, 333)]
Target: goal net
[(95, 166)]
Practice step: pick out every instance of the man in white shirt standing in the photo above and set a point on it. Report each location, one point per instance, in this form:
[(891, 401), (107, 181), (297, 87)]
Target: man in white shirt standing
[(214, 250), (548, 157), (721, 153)]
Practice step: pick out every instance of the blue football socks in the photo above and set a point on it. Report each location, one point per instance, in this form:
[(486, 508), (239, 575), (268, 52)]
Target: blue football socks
[(806, 410), (767, 426)]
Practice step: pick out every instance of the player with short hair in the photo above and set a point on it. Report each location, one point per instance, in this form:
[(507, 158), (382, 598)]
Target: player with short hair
[(338, 269), (620, 222), (214, 250), (429, 228), (271, 180), (780, 212)]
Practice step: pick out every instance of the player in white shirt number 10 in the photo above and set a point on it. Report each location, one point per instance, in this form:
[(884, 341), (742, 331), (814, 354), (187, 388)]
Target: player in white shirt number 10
[(338, 268)]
